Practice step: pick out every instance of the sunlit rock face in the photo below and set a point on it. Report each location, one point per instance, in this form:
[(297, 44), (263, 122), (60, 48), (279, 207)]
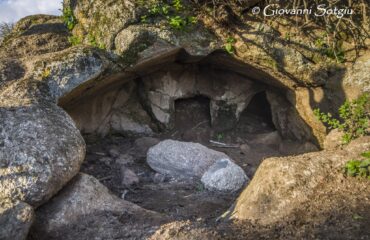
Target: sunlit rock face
[(282, 185)]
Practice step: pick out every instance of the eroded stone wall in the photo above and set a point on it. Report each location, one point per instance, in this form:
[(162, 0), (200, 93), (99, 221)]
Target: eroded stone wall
[(146, 104), (113, 110), (229, 92)]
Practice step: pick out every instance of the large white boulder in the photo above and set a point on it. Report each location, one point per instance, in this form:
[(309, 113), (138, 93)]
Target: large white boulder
[(193, 160)]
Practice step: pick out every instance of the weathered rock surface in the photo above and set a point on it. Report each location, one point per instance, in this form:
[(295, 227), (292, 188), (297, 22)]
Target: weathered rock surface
[(224, 176), (10, 69), (357, 76), (117, 26), (182, 159), (287, 119), (40, 148), (85, 209), (229, 92), (15, 219), (36, 35), (282, 185), (67, 70), (117, 110), (193, 160), (333, 140)]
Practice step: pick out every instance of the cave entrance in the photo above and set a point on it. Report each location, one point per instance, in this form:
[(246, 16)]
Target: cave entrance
[(257, 117), (229, 108), (192, 118)]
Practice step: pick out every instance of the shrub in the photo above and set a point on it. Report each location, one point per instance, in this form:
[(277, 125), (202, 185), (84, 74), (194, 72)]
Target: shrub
[(354, 118), (174, 12), (5, 30), (177, 22), (74, 40), (69, 19), (359, 168)]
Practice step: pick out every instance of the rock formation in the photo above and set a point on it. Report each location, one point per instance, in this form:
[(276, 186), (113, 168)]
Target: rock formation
[(122, 75)]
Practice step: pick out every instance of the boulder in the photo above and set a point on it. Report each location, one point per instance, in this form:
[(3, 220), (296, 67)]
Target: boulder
[(85, 209), (224, 176), (36, 35), (283, 186), (16, 218), (67, 70), (182, 159), (40, 147), (192, 160)]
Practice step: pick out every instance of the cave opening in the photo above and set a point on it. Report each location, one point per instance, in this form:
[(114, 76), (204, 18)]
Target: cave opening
[(220, 107), (192, 118), (257, 116)]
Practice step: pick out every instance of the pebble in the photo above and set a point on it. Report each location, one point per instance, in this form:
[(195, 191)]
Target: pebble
[(124, 159), (106, 160), (159, 178), (114, 152), (129, 177)]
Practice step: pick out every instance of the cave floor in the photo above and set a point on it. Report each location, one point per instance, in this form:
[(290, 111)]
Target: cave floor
[(178, 199), (193, 211), (181, 200)]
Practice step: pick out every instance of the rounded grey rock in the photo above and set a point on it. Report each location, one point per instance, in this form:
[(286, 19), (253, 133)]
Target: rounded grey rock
[(224, 176)]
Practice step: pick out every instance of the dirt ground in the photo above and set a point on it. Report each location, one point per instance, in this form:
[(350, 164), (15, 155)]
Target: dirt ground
[(107, 158), (193, 211)]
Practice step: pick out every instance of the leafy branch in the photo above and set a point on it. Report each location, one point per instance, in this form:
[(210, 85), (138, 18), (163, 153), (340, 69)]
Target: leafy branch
[(354, 118)]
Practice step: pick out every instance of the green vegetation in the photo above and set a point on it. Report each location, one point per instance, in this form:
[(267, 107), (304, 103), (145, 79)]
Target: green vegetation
[(92, 41), (220, 137), (199, 187), (354, 118), (74, 40), (334, 51), (175, 13), (45, 73), (69, 19), (359, 168), (229, 46)]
